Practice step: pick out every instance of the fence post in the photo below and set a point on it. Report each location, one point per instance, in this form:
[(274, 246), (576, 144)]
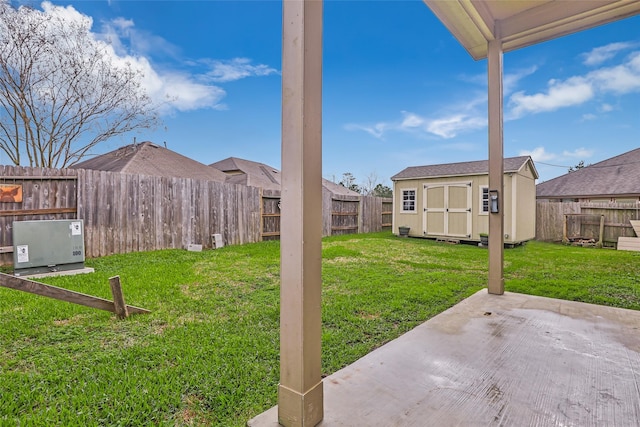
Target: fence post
[(118, 297), (601, 235)]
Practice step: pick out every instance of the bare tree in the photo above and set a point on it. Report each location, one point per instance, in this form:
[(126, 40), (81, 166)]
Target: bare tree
[(369, 187), (62, 92), (349, 181), (369, 184)]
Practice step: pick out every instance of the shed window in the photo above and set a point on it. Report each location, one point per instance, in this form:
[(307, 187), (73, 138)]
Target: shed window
[(409, 200), (484, 200)]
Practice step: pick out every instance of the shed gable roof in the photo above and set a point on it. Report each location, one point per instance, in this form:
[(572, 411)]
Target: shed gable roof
[(147, 158), (480, 167), (617, 176)]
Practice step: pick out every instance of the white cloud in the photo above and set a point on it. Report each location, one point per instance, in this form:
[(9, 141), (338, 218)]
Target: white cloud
[(464, 117), (449, 127), (68, 13), (377, 130), (111, 33), (175, 91), (538, 154), (588, 116), (446, 127), (510, 80), (573, 91), (601, 54), (578, 153), (459, 118), (617, 80), (541, 155), (235, 69), (411, 120), (621, 79), (171, 89)]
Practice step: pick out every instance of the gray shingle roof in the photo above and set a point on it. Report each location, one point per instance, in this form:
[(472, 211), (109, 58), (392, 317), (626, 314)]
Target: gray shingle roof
[(617, 176), (480, 167), (147, 158), (257, 174)]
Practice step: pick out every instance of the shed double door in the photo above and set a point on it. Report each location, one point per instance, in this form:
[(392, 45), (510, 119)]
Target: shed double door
[(447, 210)]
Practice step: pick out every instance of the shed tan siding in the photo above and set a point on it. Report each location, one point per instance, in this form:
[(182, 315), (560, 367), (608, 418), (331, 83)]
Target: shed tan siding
[(410, 219), (526, 206), (519, 206)]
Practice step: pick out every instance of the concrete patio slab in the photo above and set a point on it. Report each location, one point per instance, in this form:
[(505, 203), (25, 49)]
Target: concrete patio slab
[(510, 360)]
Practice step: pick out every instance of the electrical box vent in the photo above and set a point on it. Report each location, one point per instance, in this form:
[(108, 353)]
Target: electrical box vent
[(47, 246)]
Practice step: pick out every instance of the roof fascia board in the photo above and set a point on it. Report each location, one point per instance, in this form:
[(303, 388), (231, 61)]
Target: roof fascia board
[(474, 33), (532, 166), (481, 16), (451, 176), (589, 196), (472, 24), (528, 28), (547, 15)]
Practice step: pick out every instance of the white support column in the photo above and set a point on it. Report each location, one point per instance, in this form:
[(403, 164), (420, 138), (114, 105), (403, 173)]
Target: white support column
[(496, 168), (300, 395)]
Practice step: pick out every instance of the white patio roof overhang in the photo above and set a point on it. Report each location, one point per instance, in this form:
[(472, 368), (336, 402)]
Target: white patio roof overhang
[(486, 29), (523, 23)]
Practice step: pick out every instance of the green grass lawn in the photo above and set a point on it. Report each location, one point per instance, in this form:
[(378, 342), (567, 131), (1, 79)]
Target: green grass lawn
[(208, 352)]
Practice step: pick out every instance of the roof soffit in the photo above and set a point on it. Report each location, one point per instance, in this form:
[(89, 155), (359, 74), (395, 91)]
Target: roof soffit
[(523, 23)]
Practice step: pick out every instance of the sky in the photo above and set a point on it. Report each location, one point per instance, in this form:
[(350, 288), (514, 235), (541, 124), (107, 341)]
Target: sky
[(398, 89)]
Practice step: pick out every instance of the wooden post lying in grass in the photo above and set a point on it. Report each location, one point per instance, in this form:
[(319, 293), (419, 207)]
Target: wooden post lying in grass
[(26, 285)]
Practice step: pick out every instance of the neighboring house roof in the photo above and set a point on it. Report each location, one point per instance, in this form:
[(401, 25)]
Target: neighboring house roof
[(147, 158), (247, 172), (480, 167), (617, 176), (255, 174)]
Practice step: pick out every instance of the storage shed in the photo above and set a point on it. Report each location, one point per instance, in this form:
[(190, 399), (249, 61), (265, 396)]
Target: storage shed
[(454, 200)]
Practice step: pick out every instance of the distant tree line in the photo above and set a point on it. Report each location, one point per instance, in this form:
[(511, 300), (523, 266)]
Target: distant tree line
[(580, 165), (369, 187)]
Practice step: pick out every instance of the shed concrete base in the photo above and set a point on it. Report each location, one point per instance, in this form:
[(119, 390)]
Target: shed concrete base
[(496, 360)]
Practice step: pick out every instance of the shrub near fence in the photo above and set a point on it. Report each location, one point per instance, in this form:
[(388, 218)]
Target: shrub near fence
[(550, 217)]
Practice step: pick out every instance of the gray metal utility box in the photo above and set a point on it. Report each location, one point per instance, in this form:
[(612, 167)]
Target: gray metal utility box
[(47, 246)]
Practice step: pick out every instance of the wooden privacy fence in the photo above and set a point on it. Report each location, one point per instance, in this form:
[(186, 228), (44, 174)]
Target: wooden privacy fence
[(583, 220), (129, 213), (270, 214), (340, 214)]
